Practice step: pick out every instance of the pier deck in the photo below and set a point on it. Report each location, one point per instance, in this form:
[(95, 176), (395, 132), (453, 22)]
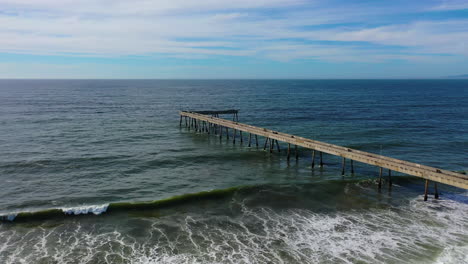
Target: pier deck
[(410, 168)]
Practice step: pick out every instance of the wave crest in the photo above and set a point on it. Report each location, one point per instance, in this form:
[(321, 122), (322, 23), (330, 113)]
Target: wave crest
[(87, 209)]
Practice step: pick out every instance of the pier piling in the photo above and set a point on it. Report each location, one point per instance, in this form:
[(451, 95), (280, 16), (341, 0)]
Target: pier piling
[(313, 159), (343, 166), (321, 159), (220, 133), (380, 178), (426, 186), (389, 180)]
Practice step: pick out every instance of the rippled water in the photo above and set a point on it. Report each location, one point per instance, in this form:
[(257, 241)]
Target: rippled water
[(81, 145)]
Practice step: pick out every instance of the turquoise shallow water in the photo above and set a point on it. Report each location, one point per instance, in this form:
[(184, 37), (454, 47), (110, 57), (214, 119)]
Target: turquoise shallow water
[(79, 146)]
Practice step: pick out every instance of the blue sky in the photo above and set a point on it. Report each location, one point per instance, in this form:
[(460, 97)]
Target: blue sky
[(233, 39)]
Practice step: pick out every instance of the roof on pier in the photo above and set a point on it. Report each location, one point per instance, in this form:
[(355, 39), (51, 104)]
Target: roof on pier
[(214, 112)]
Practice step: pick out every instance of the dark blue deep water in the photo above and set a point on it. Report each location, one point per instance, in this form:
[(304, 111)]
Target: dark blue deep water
[(80, 145)]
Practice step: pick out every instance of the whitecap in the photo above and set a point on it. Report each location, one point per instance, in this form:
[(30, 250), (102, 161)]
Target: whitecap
[(86, 209)]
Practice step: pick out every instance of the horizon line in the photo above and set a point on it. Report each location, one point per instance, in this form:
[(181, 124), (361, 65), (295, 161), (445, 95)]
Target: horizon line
[(214, 79)]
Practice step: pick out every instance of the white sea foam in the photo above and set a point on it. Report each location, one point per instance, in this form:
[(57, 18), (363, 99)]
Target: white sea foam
[(86, 209), (421, 232), (453, 254)]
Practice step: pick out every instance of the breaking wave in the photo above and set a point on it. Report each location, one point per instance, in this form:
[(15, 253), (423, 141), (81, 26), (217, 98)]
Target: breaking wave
[(420, 232), (112, 207)]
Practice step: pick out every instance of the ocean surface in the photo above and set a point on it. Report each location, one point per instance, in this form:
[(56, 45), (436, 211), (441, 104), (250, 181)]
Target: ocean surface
[(99, 171)]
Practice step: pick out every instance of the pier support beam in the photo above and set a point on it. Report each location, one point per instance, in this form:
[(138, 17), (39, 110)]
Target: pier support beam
[(352, 166), (313, 159), (436, 192), (234, 137), (426, 186), (265, 145), (296, 152), (343, 166), (380, 178), (256, 141), (389, 180), (289, 151), (277, 146), (241, 137), (250, 139), (321, 159), (220, 133)]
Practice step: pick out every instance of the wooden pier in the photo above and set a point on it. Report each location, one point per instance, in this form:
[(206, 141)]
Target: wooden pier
[(209, 121)]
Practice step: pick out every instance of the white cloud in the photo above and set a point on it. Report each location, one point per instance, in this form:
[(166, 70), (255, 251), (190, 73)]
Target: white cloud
[(122, 7), (451, 5), (448, 37), (204, 28)]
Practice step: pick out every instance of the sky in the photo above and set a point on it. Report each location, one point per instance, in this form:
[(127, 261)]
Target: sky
[(216, 39)]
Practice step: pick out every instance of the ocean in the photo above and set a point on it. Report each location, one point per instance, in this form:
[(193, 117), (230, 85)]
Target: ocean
[(99, 171)]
